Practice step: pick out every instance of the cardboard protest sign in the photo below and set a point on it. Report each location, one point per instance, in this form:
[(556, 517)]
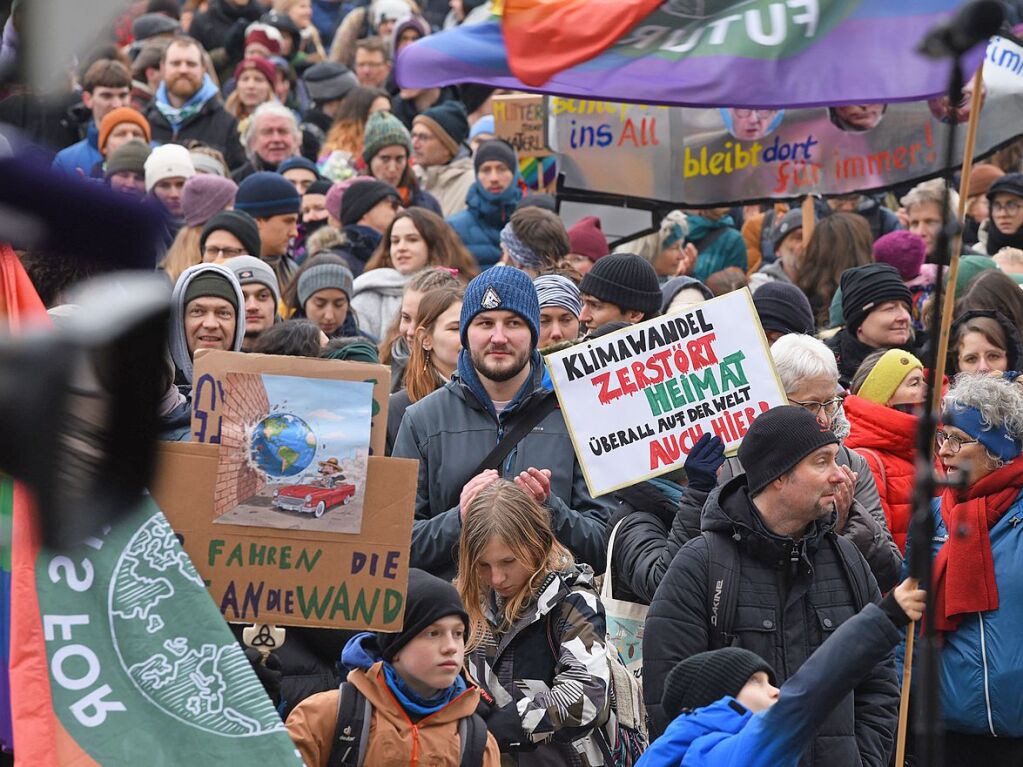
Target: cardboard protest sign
[(521, 120), (636, 401), (730, 155), (293, 452), (212, 367), (294, 577)]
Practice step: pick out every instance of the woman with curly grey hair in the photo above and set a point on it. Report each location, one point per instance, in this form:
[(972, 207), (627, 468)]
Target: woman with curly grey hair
[(978, 592)]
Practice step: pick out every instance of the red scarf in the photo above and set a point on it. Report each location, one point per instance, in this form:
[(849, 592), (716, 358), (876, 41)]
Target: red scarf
[(964, 570)]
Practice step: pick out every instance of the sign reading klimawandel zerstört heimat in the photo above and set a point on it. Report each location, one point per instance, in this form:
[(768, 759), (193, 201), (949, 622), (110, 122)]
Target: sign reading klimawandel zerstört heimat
[(636, 401)]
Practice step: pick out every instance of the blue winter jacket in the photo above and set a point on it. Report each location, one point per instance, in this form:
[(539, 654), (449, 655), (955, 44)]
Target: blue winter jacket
[(982, 660), (726, 734), (85, 154), (727, 249), (480, 224)]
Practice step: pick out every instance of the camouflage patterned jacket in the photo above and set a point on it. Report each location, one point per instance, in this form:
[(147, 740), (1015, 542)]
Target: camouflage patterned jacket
[(548, 675)]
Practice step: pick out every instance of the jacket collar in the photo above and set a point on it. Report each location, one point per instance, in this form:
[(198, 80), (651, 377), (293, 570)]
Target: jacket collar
[(493, 209)]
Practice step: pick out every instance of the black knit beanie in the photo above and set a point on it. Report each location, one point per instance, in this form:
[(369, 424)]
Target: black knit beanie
[(783, 308), (361, 198), (428, 599), (777, 441), (240, 224), (625, 280), (498, 150), (864, 288), (211, 284), (707, 677)]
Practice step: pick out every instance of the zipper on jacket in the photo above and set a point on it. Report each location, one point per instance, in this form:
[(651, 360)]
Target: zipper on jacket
[(1015, 519), (987, 691)]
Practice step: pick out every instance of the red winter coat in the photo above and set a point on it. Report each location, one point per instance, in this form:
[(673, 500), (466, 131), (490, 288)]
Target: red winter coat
[(886, 438)]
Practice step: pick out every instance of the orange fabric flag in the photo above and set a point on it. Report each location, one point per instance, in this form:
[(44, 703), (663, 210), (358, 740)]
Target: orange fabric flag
[(571, 32)]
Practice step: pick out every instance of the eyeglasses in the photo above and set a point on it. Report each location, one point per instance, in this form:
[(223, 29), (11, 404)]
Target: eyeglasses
[(215, 252), (1011, 208), (830, 407), (954, 443), (757, 112), (423, 137)]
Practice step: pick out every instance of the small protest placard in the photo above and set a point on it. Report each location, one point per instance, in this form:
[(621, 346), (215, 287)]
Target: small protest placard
[(294, 577), (520, 120), (636, 401)]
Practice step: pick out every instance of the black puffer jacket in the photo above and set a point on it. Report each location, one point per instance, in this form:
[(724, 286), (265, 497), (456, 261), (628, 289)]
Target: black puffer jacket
[(791, 596), (211, 125)]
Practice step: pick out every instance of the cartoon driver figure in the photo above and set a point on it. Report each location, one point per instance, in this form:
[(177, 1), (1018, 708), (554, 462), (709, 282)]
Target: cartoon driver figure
[(330, 472)]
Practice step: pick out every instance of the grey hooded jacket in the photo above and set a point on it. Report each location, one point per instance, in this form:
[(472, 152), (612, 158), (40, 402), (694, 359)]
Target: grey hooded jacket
[(450, 432), (178, 344)]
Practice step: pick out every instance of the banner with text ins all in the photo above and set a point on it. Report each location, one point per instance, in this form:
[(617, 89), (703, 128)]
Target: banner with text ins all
[(703, 157), (636, 401), (139, 665)]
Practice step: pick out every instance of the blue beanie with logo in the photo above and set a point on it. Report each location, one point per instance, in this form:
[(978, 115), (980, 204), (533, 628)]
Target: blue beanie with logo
[(501, 288)]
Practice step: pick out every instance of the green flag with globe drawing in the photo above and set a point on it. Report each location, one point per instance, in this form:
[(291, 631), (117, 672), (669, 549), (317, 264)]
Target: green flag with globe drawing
[(142, 668)]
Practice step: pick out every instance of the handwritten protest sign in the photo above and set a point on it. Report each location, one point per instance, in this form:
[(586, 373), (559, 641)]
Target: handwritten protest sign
[(636, 401), (521, 120), (209, 391), (728, 155), (294, 577)]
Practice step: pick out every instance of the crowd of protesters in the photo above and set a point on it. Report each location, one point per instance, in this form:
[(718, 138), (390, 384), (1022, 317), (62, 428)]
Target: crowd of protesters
[(311, 206)]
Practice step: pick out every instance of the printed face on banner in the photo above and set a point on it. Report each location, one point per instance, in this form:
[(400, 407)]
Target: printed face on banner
[(636, 401), (293, 453), (708, 157)]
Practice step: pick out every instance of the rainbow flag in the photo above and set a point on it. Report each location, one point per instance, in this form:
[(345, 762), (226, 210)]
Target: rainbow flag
[(19, 305), (699, 53)]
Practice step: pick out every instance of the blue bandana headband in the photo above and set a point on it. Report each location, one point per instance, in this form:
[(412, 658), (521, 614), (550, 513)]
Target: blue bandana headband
[(998, 441), (675, 234), (521, 254)]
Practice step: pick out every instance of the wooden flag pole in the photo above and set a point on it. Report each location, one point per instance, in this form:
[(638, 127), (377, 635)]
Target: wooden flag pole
[(809, 218), (939, 375), (953, 270)]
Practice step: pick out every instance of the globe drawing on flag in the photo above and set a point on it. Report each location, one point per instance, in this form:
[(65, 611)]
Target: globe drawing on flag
[(283, 445)]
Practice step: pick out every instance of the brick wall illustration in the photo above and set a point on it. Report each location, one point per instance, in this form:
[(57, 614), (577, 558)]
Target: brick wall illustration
[(245, 404)]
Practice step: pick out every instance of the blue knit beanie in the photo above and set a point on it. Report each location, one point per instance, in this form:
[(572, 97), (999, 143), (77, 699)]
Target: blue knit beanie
[(266, 194), (501, 287)]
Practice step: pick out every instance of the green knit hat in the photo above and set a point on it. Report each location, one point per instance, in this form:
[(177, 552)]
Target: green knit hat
[(384, 129)]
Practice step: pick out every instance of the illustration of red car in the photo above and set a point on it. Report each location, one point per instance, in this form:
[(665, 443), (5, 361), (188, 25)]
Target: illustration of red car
[(312, 499)]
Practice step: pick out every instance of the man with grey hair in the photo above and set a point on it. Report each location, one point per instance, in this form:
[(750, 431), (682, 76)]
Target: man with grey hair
[(271, 137), (809, 374)]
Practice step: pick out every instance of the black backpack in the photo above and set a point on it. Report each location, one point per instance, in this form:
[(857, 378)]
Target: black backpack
[(351, 733), (723, 567)]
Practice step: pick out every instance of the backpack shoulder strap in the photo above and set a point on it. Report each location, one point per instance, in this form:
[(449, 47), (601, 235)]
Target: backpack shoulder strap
[(722, 587), (472, 737), (351, 733), (522, 427), (865, 451), (849, 559)]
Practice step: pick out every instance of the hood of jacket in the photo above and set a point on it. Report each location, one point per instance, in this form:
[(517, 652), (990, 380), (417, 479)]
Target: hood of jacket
[(555, 587), (178, 344), (699, 731), (700, 226), (776, 271), (877, 427), (494, 209), (730, 510), (676, 285), (389, 282)]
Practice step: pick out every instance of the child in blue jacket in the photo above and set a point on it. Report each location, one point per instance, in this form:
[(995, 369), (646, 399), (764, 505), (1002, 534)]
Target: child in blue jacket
[(728, 713)]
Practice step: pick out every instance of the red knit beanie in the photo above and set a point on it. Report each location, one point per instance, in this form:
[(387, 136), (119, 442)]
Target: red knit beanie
[(587, 238)]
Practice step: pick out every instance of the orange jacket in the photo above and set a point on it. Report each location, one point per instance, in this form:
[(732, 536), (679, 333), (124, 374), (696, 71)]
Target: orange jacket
[(394, 741), (886, 438)]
